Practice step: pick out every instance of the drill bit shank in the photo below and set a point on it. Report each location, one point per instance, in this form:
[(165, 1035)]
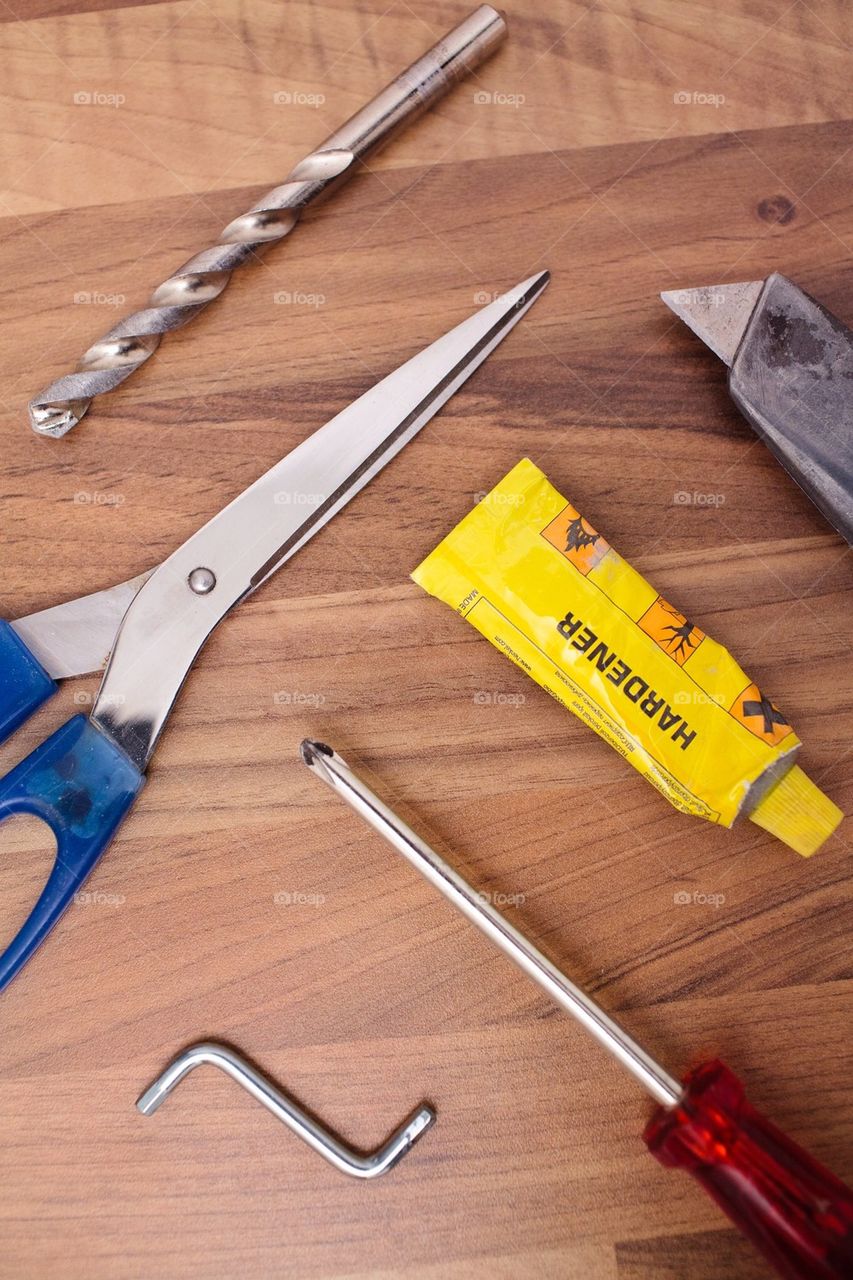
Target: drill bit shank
[(175, 302)]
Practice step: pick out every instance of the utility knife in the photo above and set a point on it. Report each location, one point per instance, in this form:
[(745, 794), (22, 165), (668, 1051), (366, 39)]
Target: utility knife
[(790, 374)]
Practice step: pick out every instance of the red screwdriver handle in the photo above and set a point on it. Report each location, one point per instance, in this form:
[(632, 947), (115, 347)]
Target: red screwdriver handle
[(797, 1213)]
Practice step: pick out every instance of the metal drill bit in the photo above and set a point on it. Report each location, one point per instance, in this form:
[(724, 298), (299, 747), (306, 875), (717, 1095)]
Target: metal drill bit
[(175, 302)]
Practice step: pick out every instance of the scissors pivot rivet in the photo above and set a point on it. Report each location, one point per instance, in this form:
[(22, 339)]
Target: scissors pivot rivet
[(202, 581)]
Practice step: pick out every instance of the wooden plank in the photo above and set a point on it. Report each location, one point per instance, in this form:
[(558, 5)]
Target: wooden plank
[(241, 901), (15, 11), (104, 106)]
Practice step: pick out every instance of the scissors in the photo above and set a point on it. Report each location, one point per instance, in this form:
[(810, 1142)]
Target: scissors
[(148, 632)]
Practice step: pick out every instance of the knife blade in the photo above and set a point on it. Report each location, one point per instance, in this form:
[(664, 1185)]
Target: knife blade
[(791, 376)]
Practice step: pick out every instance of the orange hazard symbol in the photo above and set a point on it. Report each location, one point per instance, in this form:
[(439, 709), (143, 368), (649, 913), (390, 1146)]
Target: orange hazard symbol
[(675, 634), (576, 539), (760, 716)]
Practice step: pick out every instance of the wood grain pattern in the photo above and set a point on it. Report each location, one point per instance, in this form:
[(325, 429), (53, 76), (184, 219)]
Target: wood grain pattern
[(375, 995)]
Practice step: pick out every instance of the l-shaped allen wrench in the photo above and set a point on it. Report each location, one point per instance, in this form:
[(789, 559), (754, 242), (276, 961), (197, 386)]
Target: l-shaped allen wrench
[(289, 1112)]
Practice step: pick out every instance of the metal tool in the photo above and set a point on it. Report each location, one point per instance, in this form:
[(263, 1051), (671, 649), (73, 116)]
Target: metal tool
[(790, 374), (115, 356), (289, 1112), (797, 1213), (83, 780)]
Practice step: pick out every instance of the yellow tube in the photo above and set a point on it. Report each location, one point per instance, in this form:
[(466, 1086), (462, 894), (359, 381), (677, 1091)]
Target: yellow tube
[(533, 576)]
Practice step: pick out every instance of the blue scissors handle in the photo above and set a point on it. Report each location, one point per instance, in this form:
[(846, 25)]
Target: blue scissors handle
[(24, 683), (82, 785)]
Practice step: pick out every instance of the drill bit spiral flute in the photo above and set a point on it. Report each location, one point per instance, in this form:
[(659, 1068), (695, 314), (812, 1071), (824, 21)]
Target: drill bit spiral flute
[(175, 302)]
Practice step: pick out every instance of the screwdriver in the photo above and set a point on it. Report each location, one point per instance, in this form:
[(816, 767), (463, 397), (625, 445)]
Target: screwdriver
[(797, 1213)]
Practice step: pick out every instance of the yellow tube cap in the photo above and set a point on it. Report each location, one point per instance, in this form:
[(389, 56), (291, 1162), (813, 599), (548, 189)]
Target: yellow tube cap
[(798, 813)]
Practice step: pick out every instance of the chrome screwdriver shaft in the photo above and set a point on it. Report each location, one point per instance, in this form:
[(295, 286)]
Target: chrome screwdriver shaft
[(337, 774), (175, 302)]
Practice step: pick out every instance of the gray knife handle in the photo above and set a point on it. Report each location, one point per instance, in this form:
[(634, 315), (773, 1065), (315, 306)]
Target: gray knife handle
[(792, 379)]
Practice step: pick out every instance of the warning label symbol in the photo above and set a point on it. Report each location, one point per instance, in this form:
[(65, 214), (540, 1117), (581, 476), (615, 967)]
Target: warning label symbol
[(576, 539), (760, 716), (675, 634)]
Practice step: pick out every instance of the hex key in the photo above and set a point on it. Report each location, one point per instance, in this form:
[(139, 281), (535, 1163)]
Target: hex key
[(289, 1112)]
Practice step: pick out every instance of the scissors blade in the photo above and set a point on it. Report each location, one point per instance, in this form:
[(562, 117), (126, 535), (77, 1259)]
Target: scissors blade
[(336, 462), (75, 638), (228, 559)]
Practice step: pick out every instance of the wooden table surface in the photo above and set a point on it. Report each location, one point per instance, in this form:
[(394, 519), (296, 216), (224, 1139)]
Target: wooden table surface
[(241, 901)]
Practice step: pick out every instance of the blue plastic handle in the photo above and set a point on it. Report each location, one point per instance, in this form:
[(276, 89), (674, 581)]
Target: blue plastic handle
[(24, 683), (82, 785)]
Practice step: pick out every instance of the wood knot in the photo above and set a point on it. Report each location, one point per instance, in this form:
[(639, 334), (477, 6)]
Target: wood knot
[(778, 209)]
